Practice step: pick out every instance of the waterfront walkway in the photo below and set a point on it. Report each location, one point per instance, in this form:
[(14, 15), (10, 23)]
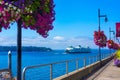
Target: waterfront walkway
[(108, 72)]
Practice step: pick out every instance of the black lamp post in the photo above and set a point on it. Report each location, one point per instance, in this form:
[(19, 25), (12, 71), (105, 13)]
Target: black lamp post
[(19, 49), (112, 32), (100, 16), (110, 36)]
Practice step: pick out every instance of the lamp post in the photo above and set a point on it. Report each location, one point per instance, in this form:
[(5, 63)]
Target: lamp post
[(100, 16), (110, 36), (112, 32)]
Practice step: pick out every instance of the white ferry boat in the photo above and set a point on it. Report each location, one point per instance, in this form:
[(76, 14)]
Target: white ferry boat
[(78, 49)]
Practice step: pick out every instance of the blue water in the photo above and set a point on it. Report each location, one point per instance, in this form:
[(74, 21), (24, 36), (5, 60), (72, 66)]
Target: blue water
[(34, 58)]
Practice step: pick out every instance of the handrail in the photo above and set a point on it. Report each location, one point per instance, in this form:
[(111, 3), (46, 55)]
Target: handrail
[(65, 61), (35, 66)]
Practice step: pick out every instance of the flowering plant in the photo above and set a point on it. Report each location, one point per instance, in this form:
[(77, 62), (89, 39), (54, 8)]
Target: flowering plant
[(100, 39), (116, 46), (110, 44), (37, 15)]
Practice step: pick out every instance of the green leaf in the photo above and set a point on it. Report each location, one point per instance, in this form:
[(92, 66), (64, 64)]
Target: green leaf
[(47, 9)]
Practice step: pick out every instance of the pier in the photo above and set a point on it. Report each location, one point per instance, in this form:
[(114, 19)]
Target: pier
[(107, 72)]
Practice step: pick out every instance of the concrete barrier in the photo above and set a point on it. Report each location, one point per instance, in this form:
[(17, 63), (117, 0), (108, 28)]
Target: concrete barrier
[(83, 72)]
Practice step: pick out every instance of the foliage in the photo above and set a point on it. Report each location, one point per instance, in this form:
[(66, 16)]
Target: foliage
[(37, 15), (100, 39), (112, 45)]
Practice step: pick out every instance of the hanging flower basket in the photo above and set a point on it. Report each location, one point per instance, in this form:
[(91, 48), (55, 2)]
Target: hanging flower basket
[(100, 39), (110, 44), (37, 15), (116, 46)]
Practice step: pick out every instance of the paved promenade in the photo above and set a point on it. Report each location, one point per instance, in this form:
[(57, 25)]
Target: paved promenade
[(108, 72)]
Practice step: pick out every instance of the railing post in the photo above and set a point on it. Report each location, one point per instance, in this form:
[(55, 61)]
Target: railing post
[(89, 60), (51, 70), (66, 67), (9, 60), (51, 74), (93, 59), (101, 56), (76, 64), (10, 63), (23, 73), (84, 62), (98, 58)]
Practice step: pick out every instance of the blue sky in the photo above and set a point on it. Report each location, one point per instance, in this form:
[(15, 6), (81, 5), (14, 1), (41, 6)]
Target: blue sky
[(75, 23)]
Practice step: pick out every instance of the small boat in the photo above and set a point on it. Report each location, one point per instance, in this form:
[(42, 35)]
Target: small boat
[(78, 49)]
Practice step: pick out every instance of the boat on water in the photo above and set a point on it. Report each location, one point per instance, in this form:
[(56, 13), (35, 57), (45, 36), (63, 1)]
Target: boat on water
[(78, 49)]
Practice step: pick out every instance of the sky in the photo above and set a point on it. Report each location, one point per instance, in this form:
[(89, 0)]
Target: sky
[(75, 23)]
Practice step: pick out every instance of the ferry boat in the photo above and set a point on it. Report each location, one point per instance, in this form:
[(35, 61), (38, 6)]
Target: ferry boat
[(78, 49)]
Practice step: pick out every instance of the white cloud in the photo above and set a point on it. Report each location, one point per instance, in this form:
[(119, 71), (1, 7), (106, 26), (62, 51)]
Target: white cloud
[(57, 42), (58, 38), (83, 41), (7, 41)]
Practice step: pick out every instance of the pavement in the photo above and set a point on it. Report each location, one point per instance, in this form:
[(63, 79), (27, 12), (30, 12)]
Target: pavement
[(108, 72)]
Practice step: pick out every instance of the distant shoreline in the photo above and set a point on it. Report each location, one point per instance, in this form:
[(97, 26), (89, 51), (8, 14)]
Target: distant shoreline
[(25, 48)]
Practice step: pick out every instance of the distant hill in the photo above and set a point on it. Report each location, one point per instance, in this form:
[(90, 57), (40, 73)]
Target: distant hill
[(24, 48)]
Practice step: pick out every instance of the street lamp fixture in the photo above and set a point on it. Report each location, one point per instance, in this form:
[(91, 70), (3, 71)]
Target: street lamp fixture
[(105, 16), (106, 19)]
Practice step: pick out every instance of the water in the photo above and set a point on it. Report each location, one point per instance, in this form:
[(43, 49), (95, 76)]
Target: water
[(34, 58)]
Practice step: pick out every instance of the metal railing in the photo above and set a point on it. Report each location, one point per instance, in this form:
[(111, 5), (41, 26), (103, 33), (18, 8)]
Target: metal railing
[(6, 74), (53, 70)]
